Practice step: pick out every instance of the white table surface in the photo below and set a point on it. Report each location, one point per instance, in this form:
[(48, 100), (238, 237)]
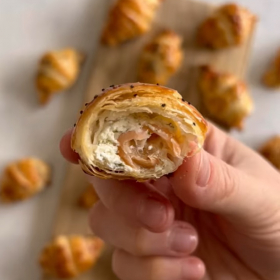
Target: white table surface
[(29, 28)]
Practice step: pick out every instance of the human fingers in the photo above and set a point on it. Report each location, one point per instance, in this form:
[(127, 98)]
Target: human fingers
[(129, 267), (136, 202), (65, 148), (179, 240)]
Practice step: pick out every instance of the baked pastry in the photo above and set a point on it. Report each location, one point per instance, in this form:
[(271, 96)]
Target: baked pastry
[(272, 76), (137, 131), (58, 71), (271, 151), (225, 97), (69, 256), (88, 198), (229, 26), (129, 19), (160, 58), (23, 179)]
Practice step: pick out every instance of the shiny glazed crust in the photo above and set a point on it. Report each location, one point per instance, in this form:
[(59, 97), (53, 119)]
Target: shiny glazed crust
[(161, 58), (271, 151), (225, 97), (69, 256), (131, 98), (129, 19), (23, 179), (88, 198), (58, 70), (229, 26), (272, 76)]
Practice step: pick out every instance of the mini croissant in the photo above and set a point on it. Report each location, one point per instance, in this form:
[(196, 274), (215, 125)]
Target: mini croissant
[(69, 256), (161, 58), (229, 26), (225, 97), (137, 131), (272, 76), (271, 151), (58, 70), (88, 198), (129, 19), (23, 179)]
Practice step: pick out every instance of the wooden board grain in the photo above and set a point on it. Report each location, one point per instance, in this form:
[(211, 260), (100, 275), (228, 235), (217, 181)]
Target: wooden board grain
[(118, 65)]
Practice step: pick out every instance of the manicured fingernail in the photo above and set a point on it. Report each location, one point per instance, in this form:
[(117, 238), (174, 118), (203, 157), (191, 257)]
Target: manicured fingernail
[(183, 240), (152, 212), (204, 170)]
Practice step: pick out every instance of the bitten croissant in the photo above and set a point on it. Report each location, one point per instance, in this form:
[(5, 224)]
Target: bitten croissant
[(272, 76), (23, 179), (161, 58), (137, 131), (129, 19), (271, 151), (58, 70), (69, 256), (225, 97), (229, 26), (88, 198)]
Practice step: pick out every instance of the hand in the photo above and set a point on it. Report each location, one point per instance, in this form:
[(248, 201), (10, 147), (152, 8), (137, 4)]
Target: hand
[(217, 217)]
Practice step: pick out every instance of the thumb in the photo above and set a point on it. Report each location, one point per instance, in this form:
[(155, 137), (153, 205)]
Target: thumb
[(208, 183)]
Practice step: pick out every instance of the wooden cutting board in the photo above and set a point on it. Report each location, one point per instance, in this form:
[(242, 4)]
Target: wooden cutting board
[(118, 65)]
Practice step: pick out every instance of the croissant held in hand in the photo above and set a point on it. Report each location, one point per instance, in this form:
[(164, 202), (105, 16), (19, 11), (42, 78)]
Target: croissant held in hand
[(23, 179), (225, 97), (229, 26), (161, 58), (137, 131), (58, 70), (68, 256), (129, 19)]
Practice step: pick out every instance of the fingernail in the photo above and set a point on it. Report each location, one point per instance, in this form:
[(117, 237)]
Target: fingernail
[(152, 212), (203, 175), (183, 240)]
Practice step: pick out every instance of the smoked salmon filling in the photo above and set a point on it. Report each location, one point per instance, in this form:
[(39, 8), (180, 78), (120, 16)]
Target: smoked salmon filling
[(137, 131)]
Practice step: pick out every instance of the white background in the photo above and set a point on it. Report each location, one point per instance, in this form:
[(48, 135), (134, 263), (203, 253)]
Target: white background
[(27, 29)]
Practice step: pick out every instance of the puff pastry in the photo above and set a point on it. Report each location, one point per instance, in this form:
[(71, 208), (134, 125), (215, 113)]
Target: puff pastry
[(225, 97), (272, 76), (229, 26), (161, 58), (69, 256), (137, 131), (271, 151), (23, 179), (58, 70), (88, 198), (129, 19)]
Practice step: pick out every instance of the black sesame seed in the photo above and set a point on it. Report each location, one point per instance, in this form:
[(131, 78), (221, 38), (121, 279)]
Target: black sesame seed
[(95, 97), (135, 95), (86, 104), (157, 84), (103, 89), (194, 124), (183, 100), (189, 103), (112, 85), (74, 125), (132, 86), (163, 105), (81, 112)]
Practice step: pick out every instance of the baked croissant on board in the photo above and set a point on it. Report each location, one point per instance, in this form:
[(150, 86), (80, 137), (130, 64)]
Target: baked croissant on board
[(137, 131), (88, 198), (225, 97), (58, 70), (23, 179), (69, 256), (160, 58), (229, 26), (129, 19), (272, 76), (271, 151)]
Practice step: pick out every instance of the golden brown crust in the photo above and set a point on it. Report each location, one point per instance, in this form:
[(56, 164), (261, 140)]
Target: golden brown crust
[(225, 97), (131, 99), (272, 76), (129, 19), (160, 58), (271, 151), (23, 179), (69, 256), (58, 70), (229, 26), (88, 198)]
